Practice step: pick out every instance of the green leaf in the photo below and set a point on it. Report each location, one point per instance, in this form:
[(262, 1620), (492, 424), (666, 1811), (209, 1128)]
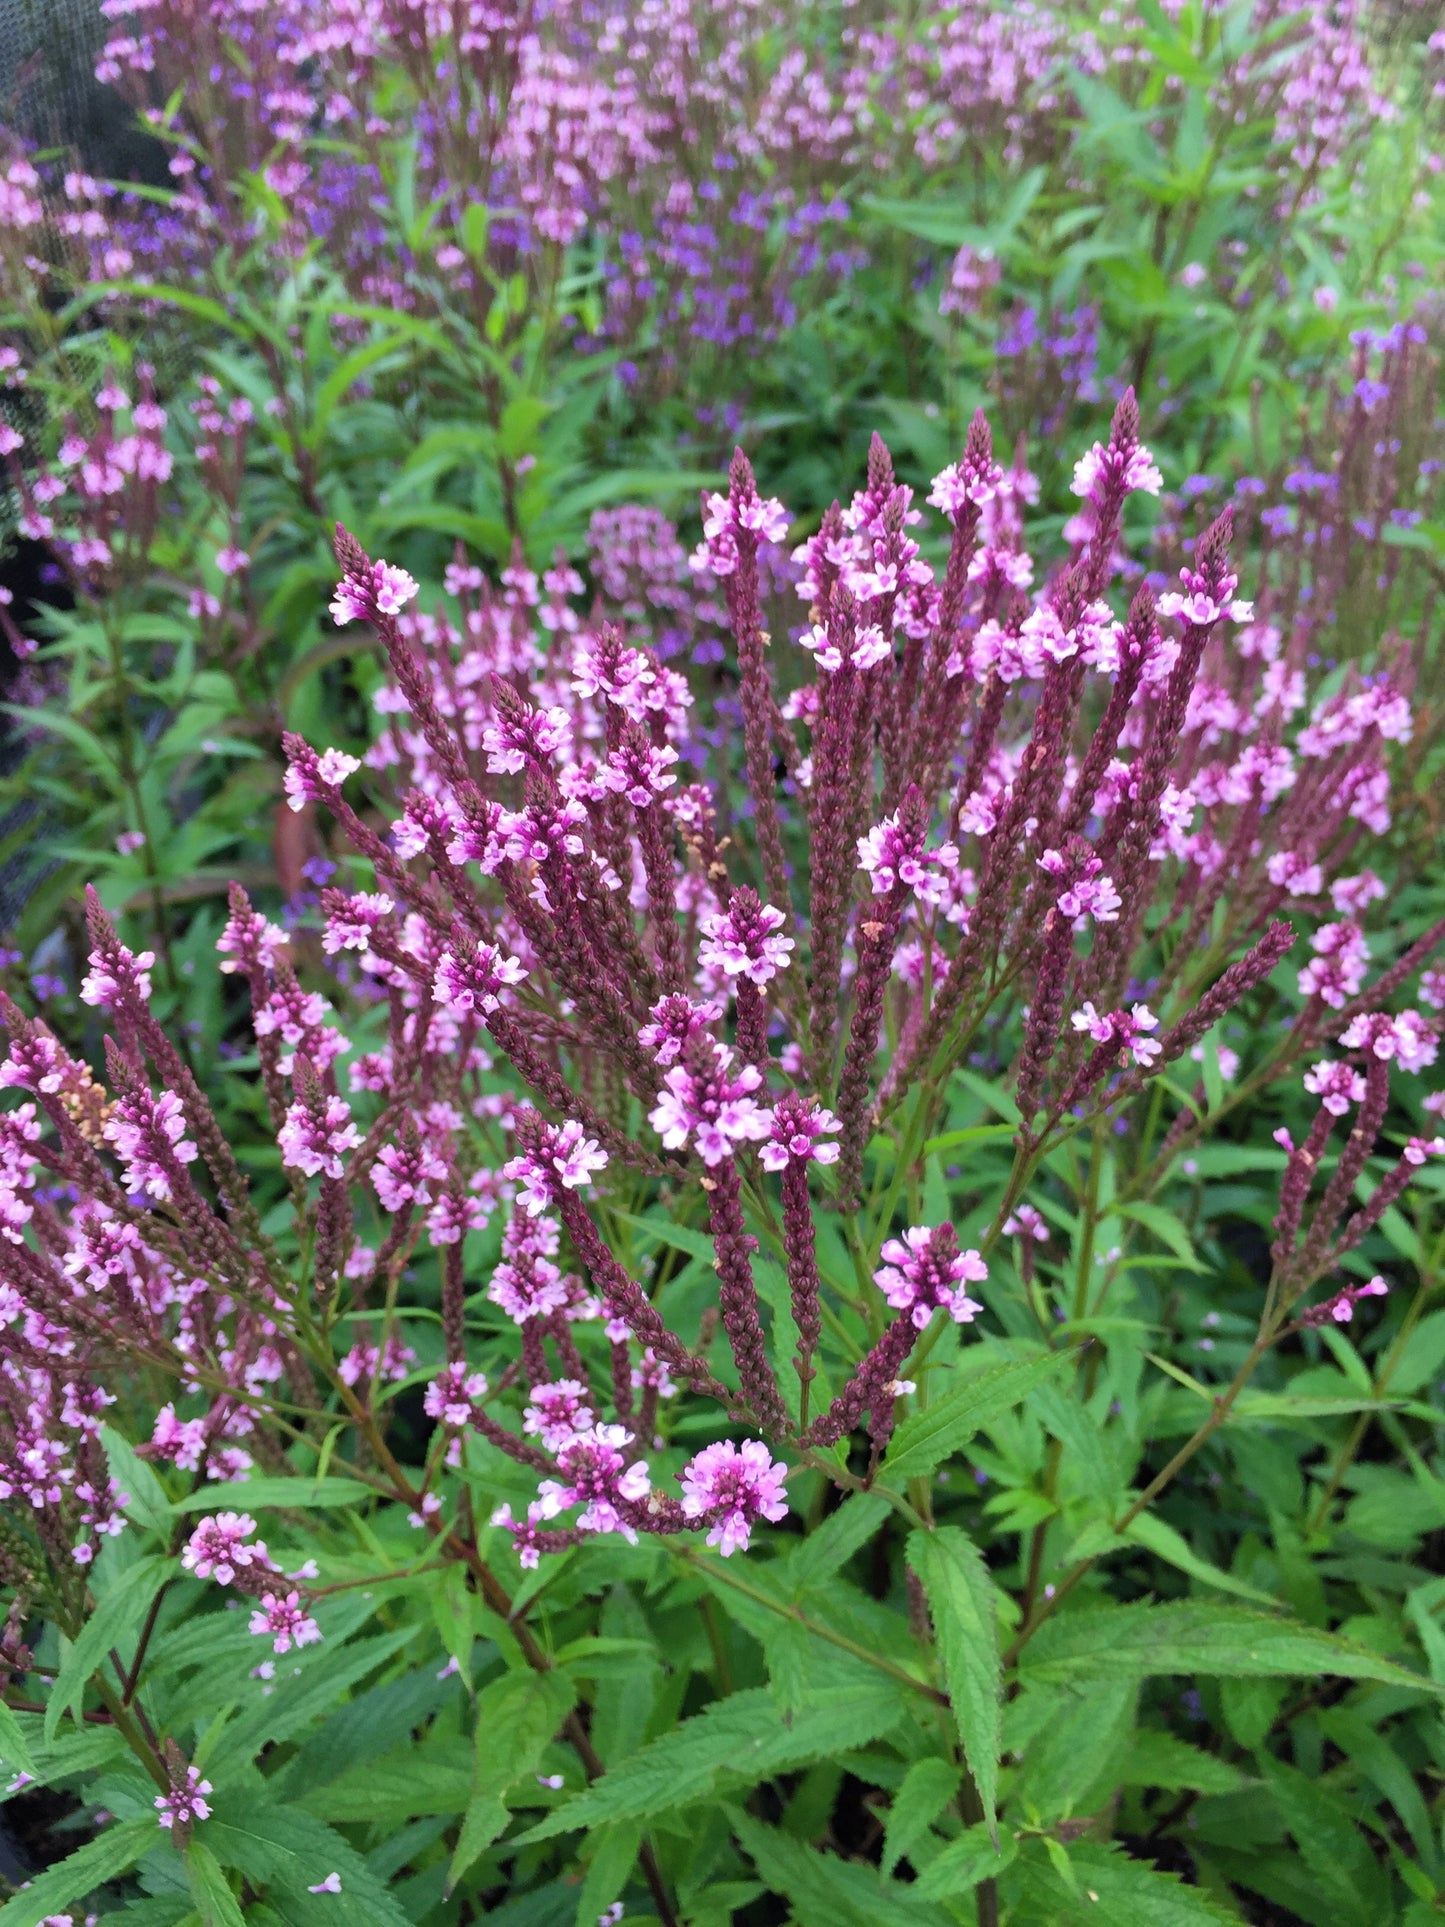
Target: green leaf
[(1160, 1760), (1106, 1886), (1166, 1228), (116, 1616), (736, 1742), (1300, 1405), (1197, 1636), (287, 1852), (422, 1777), (1156, 1535), (929, 1786), (814, 1560), (210, 1888), (110, 1854), (826, 1891), (516, 1719), (13, 1750), (964, 1862), (293, 1495), (697, 1244), (928, 1437), (965, 1618)]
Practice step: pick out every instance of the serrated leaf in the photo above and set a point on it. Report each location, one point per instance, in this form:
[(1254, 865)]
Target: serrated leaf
[(928, 1437), (516, 1718), (928, 1788), (1197, 1636), (115, 1617), (737, 1742), (1160, 1760), (287, 1852), (422, 1777), (826, 1551), (964, 1862), (109, 1855), (13, 1750), (1098, 1883), (824, 1890), (210, 1888), (965, 1618)]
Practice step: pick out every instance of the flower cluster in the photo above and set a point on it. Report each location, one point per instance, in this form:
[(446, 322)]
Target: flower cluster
[(573, 991)]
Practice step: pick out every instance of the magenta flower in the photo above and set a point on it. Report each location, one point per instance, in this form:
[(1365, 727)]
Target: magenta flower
[(185, 1803), (559, 1412), (742, 940), (145, 1131), (404, 1175), (217, 1549), (892, 854), (564, 1159), (1337, 1085), (596, 1476), (381, 590), (926, 1271), (1413, 1040), (452, 1395), (1025, 1222), (733, 1487), (799, 1126), (285, 1621), (466, 984), (317, 1144), (704, 1101), (331, 766)]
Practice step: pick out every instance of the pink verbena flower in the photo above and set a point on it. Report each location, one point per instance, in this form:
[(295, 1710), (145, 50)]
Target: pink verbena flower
[(1337, 970), (734, 1486), (704, 1101), (120, 971), (364, 1362), (141, 1128), (526, 1534), (516, 737), (217, 1548), (404, 1175), (1341, 1308), (315, 1145), (799, 1125), (464, 985), (869, 647), (362, 595), (331, 766), (1413, 1040), (1204, 600), (185, 1803), (892, 854), (675, 1021), (742, 941), (597, 1477), (1088, 893), (1025, 1222), (1131, 469), (1337, 1085), (926, 1271), (564, 1158), (1127, 1028), (285, 1621), (452, 1394), (558, 1412)]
